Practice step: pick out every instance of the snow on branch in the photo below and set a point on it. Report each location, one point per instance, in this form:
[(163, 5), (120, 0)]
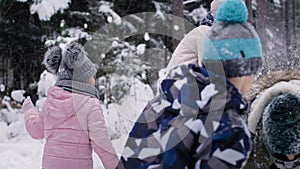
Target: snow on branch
[(46, 8), (105, 7), (189, 1)]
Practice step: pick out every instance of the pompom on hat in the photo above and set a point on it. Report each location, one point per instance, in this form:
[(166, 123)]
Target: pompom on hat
[(233, 42), (72, 64), (281, 125), (234, 11), (52, 59)]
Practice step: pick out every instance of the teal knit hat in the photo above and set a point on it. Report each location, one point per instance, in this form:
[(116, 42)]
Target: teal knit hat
[(281, 125), (233, 42)]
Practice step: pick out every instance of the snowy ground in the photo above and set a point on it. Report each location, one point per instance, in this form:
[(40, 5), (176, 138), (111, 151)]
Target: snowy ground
[(27, 153)]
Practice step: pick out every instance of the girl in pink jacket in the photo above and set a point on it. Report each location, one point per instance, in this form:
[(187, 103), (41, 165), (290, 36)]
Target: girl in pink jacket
[(71, 120)]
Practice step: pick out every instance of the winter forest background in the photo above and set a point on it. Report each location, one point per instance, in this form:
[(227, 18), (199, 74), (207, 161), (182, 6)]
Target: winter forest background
[(130, 40)]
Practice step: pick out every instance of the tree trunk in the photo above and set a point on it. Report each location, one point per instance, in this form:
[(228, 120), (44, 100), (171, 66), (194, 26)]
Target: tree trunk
[(261, 15), (250, 11), (294, 33), (178, 22), (287, 29), (260, 23), (297, 28)]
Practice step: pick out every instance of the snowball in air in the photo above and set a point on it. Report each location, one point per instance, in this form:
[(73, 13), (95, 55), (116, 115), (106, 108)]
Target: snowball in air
[(109, 19), (140, 49), (176, 27), (2, 88), (146, 36)]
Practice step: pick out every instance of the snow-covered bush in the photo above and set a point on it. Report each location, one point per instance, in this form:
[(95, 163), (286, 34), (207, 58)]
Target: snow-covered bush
[(46, 81), (122, 65), (121, 117), (11, 121), (18, 95)]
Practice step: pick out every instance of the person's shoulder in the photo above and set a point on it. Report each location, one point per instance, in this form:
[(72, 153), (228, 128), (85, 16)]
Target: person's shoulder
[(92, 100), (92, 104), (202, 29)]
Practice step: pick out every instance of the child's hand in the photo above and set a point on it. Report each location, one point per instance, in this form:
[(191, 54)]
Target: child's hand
[(27, 104)]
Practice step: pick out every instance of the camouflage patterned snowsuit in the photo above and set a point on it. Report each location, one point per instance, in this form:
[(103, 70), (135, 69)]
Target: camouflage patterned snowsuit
[(194, 123)]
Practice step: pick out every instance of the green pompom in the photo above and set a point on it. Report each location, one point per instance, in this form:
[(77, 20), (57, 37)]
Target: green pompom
[(233, 11)]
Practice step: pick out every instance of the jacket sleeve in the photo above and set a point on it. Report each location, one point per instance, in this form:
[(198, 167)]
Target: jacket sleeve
[(189, 50), (34, 120), (100, 138)]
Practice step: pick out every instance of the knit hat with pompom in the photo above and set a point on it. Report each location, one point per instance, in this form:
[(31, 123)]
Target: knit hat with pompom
[(72, 64), (233, 42), (281, 125)]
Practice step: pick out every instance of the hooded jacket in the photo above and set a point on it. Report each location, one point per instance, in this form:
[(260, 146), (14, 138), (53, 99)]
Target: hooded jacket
[(190, 48), (194, 123), (73, 125), (262, 156), (261, 102)]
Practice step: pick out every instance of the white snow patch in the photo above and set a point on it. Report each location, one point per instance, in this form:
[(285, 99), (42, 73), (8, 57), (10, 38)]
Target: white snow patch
[(198, 13), (176, 27), (46, 81), (146, 36), (159, 14), (78, 33), (109, 19), (277, 3), (17, 95), (46, 8), (85, 26), (189, 1), (62, 23), (2, 87), (140, 49), (130, 26), (40, 102), (21, 155), (121, 117), (105, 7)]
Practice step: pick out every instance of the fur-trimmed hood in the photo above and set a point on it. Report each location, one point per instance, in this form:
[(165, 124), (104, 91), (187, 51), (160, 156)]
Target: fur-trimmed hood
[(280, 125), (260, 103)]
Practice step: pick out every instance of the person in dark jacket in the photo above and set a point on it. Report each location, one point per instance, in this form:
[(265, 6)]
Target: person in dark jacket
[(196, 120), (275, 119), (281, 131)]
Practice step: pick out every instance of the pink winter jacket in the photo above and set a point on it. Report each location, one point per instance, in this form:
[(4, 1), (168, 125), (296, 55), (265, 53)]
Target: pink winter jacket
[(72, 125)]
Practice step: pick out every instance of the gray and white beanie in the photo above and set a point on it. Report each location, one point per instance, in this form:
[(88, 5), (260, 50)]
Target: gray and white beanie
[(71, 64)]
